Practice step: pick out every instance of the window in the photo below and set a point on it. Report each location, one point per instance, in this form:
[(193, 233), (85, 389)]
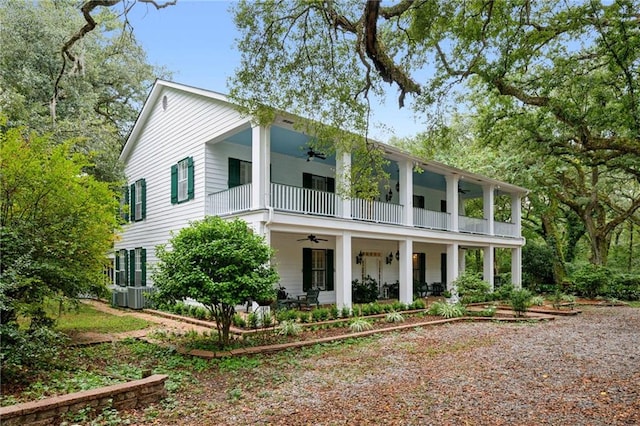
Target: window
[(182, 181), (443, 206), (239, 172), (317, 269), (122, 267), (418, 201), (138, 267), (319, 183), (419, 268), (138, 200)]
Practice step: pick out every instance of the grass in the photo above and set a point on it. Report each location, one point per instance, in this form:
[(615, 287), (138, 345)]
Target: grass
[(87, 319)]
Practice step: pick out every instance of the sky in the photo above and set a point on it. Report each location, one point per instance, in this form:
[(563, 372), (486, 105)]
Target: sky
[(195, 40)]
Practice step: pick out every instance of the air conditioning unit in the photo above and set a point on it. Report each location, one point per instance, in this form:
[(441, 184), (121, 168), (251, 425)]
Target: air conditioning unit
[(138, 297), (119, 297)]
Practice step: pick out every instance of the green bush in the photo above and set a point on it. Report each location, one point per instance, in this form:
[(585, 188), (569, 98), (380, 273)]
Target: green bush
[(289, 328), (503, 292), (625, 287), (320, 314), (358, 324), (335, 312), (24, 352), (345, 312), (418, 304), (398, 306), (365, 291), (591, 280), (447, 310), (471, 288), (520, 301), (238, 321)]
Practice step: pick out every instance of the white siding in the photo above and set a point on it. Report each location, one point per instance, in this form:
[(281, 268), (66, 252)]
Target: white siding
[(167, 137)]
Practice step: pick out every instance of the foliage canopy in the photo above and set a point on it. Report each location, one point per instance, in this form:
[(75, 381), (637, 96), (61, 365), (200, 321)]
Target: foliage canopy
[(218, 263)]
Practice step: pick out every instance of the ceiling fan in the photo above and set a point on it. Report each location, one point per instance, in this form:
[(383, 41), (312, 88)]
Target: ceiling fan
[(462, 191), (313, 153), (312, 238)]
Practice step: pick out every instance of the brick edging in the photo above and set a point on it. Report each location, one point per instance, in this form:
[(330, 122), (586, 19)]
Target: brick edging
[(132, 394)]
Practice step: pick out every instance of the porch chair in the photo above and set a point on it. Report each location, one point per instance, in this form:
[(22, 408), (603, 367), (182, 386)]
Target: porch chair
[(311, 297)]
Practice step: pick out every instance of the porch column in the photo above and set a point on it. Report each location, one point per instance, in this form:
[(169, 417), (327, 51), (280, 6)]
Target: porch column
[(488, 200), (516, 267), (488, 259), (453, 264), (516, 213), (260, 167), (452, 201), (406, 191), (343, 177), (344, 258), (405, 266)]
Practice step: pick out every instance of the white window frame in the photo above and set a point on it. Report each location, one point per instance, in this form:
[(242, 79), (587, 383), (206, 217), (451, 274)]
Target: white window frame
[(138, 200), (138, 267), (319, 269), (183, 180)]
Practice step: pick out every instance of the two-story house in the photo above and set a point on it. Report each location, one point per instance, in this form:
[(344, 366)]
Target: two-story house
[(191, 154)]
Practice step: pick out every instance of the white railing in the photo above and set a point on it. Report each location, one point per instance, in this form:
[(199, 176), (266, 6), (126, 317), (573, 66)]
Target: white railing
[(505, 229), (473, 225), (431, 219), (229, 201), (376, 211), (303, 200)]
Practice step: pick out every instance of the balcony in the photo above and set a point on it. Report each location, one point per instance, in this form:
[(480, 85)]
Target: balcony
[(308, 201)]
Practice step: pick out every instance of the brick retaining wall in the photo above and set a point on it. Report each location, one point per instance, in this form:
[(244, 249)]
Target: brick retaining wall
[(134, 394)]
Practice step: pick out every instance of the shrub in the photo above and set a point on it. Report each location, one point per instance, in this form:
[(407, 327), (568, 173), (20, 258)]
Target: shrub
[(365, 291), (359, 324), (238, 321), (267, 320), (591, 280), (503, 292), (305, 317), (335, 313), (520, 301), (320, 314), (24, 352), (447, 310), (345, 312), (252, 320), (398, 306), (289, 328), (625, 287), (394, 316), (471, 288), (537, 300), (418, 304)]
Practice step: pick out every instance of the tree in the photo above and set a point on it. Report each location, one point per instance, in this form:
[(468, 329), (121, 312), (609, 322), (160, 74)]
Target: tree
[(218, 263), (561, 79), (57, 224), (94, 98)]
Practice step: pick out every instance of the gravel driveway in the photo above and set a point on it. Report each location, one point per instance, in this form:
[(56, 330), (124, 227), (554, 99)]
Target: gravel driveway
[(582, 370)]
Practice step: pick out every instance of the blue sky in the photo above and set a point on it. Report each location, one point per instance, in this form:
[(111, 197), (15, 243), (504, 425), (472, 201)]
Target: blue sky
[(195, 40)]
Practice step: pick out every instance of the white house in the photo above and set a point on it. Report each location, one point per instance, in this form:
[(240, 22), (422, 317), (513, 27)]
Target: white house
[(191, 154)]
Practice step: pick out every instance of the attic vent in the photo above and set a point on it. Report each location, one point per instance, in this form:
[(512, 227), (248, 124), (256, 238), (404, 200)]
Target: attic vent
[(284, 120), (165, 103)]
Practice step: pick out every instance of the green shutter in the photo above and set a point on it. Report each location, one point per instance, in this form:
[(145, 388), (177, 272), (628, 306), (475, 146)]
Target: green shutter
[(329, 271), (234, 172), (125, 211), (126, 268), (174, 184), (132, 204), (143, 264), (144, 198), (331, 185), (307, 180), (190, 179), (117, 254), (422, 267), (307, 273), (132, 267)]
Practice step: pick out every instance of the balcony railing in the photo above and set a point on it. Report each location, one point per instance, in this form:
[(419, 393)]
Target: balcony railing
[(431, 219), (303, 200), (505, 229), (473, 225), (308, 201), (376, 211), (230, 201)]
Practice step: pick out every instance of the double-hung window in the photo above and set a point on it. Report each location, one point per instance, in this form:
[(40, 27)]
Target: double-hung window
[(317, 269), (122, 267), (182, 181), (138, 195), (138, 267)]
